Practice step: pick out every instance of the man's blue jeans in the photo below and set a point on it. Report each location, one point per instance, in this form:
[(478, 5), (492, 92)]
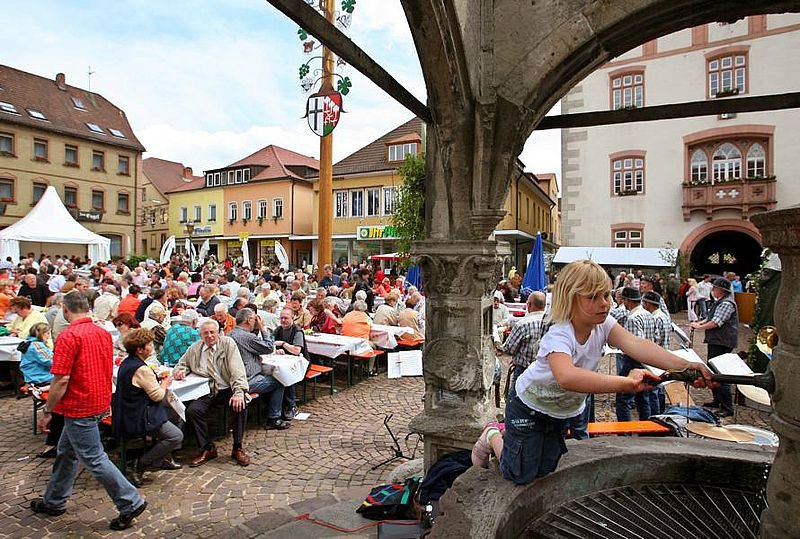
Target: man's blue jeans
[(268, 385), (625, 401), (80, 444)]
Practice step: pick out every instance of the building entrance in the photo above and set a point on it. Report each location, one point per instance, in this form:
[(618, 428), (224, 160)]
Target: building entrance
[(726, 250)]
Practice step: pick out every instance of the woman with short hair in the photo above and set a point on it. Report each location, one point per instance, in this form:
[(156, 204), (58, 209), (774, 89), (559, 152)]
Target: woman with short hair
[(137, 406)]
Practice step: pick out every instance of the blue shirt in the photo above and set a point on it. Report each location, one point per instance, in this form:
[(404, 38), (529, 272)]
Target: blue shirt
[(179, 338), (36, 362), (737, 286)]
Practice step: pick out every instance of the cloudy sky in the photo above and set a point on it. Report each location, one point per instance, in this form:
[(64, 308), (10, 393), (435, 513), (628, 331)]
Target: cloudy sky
[(207, 82)]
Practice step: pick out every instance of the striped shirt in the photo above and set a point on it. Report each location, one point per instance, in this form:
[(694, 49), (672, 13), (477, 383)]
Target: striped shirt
[(663, 328), (523, 342)]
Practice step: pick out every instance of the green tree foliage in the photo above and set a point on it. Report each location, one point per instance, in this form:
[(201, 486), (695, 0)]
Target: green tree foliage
[(409, 213)]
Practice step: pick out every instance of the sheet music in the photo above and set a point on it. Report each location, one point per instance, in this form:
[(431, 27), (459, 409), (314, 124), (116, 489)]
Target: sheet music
[(729, 364), (405, 363)]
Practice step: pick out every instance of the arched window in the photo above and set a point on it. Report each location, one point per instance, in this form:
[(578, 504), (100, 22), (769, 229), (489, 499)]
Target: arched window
[(756, 161), (727, 162), (699, 166)]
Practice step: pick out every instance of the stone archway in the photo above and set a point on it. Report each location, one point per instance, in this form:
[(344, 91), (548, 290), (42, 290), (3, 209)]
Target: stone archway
[(739, 240)]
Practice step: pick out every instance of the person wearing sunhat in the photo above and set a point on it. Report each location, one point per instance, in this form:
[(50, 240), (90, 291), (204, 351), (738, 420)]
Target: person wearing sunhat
[(721, 325), (641, 324)]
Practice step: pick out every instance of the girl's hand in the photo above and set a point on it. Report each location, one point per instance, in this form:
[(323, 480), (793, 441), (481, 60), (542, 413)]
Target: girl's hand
[(638, 378)]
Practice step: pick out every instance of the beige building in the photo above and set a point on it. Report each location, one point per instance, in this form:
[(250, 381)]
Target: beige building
[(690, 183), (77, 141)]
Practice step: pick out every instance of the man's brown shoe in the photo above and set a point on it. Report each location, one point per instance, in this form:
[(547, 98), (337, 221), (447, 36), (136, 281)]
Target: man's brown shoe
[(240, 457), (205, 456)]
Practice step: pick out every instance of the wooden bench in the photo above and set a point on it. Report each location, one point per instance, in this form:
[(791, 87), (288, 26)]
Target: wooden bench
[(353, 359), (315, 371), (612, 428), (409, 344), (39, 399)]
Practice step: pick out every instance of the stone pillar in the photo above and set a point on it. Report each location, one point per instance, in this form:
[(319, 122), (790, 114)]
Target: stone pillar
[(460, 277), (780, 231)]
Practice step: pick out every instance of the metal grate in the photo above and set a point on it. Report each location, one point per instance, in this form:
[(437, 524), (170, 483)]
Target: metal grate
[(655, 511)]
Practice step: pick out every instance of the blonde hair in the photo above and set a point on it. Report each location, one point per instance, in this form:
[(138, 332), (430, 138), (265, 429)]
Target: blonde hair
[(691, 282), (582, 277)]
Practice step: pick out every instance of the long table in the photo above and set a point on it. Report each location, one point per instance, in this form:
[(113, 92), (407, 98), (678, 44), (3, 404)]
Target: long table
[(386, 336), (333, 346), (8, 349)]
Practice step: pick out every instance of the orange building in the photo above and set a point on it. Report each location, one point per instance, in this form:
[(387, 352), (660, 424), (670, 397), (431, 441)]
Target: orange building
[(268, 197)]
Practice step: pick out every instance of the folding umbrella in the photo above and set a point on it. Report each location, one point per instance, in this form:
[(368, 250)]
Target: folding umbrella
[(245, 254), (414, 277), (535, 278), (280, 253)]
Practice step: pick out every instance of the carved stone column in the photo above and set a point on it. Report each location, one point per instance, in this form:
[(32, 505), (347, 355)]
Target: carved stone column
[(781, 233), (460, 277)]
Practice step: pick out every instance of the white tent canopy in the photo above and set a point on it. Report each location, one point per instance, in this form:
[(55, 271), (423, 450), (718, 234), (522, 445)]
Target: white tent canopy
[(50, 222), (646, 257)]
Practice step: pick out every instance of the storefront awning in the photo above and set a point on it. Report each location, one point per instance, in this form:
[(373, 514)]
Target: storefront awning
[(315, 237), (646, 257)]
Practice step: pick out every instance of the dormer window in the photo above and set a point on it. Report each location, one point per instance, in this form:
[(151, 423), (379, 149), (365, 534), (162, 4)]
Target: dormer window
[(33, 113), (8, 107), (398, 152)]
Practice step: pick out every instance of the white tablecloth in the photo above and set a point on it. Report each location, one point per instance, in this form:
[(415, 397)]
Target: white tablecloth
[(386, 336), (190, 388), (8, 348), (330, 345)]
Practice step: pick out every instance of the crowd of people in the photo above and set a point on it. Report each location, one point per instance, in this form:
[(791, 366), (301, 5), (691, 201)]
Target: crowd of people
[(214, 321)]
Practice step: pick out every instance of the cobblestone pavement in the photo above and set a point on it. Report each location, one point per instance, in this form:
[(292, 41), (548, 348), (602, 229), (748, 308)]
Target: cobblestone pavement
[(314, 465)]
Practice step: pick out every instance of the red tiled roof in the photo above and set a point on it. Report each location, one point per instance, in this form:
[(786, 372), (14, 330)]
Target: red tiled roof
[(167, 176), (373, 156), (27, 91), (276, 160)]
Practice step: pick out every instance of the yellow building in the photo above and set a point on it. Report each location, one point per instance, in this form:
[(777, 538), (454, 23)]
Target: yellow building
[(197, 212), (531, 206), (365, 186), (366, 182), (78, 142)]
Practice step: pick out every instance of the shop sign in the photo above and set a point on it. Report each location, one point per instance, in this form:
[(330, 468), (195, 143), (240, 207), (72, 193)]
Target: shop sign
[(87, 215), (234, 244), (376, 232), (202, 230)]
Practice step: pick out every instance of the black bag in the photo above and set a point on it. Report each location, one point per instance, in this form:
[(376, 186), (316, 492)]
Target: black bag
[(394, 501), (23, 346), (441, 475)]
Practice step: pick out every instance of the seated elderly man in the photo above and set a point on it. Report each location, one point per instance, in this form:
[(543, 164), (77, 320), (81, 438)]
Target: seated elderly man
[(155, 322), (208, 300), (289, 339), (224, 319), (34, 290), (252, 342), (217, 358), (269, 318), (107, 304), (180, 337), (387, 313)]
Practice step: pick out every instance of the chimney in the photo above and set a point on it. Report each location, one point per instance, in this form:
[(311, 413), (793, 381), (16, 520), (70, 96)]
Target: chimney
[(60, 82), (187, 173)]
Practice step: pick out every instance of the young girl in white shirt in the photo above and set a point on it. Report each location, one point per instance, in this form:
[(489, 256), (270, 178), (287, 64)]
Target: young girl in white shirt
[(553, 388)]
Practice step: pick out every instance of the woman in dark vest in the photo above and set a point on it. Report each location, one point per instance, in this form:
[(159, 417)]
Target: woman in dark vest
[(137, 406)]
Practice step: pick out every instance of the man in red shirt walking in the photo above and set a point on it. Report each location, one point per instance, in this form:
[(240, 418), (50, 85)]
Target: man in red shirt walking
[(81, 392)]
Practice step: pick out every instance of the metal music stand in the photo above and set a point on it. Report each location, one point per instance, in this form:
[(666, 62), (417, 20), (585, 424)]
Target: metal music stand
[(397, 452)]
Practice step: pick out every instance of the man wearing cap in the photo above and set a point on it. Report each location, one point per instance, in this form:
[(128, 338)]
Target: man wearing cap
[(647, 284), (641, 324), (722, 336), (650, 303)]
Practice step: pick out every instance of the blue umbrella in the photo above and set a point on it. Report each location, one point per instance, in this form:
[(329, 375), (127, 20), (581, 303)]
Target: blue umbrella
[(534, 276), (413, 277)]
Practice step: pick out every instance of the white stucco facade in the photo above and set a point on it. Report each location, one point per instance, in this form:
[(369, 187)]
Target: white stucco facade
[(675, 69)]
